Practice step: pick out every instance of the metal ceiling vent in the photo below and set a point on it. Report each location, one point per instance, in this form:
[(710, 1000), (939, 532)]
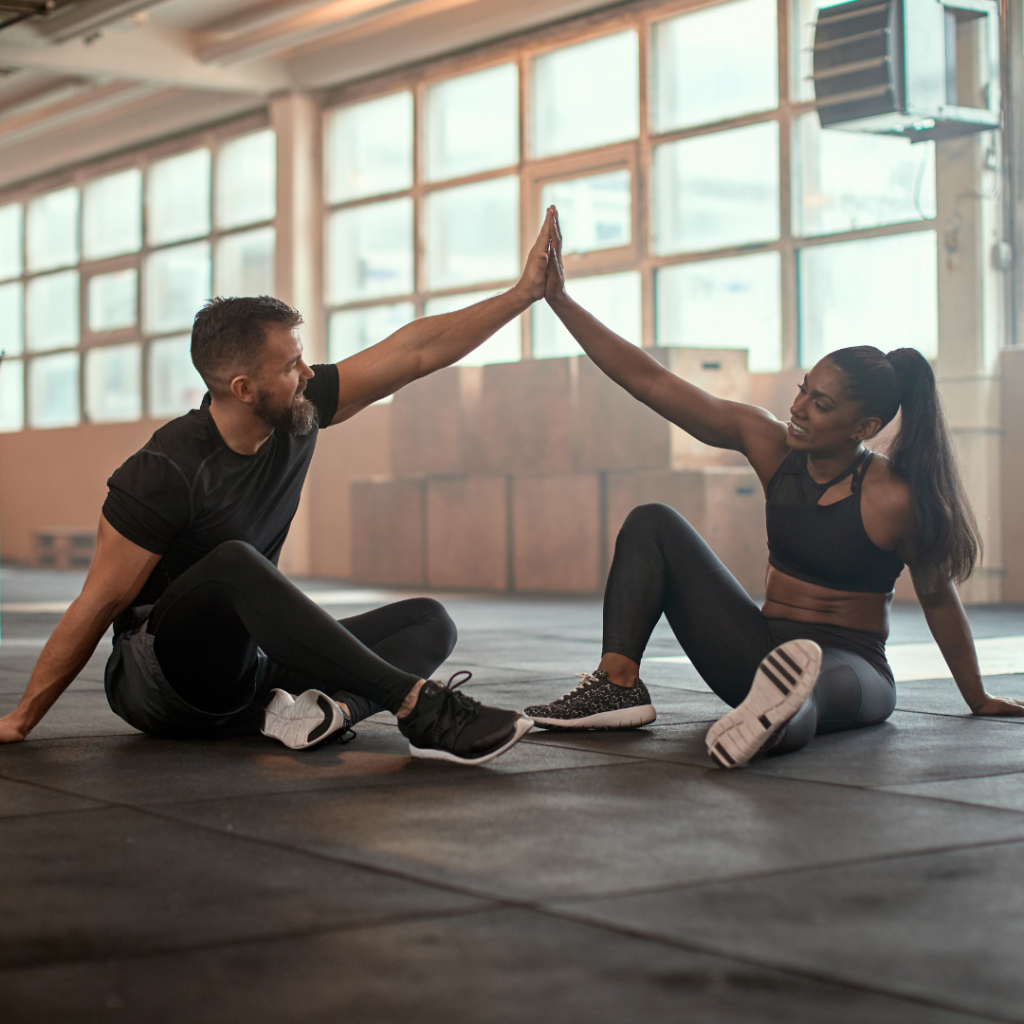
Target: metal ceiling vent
[(923, 69)]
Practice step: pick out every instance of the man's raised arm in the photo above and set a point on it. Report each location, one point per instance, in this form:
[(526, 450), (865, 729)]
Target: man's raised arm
[(118, 571), (434, 342)]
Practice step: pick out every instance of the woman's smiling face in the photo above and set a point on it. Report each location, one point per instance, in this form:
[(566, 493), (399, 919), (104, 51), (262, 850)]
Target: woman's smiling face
[(822, 418)]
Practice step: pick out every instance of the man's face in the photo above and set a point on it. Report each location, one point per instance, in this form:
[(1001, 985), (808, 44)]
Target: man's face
[(282, 379)]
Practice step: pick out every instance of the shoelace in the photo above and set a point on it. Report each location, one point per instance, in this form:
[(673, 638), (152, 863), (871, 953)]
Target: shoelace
[(587, 680), (458, 710)]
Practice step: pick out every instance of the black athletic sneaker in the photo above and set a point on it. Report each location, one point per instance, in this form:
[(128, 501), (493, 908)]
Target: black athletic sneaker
[(597, 703), (305, 721), (449, 726), (782, 682)]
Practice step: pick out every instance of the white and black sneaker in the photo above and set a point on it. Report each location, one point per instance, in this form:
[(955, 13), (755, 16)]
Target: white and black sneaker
[(782, 682), (597, 703), (305, 721)]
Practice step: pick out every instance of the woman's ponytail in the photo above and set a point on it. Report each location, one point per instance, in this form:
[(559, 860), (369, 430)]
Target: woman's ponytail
[(946, 531)]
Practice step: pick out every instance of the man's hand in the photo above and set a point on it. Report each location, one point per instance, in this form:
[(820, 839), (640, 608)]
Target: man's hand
[(532, 284), (11, 730), (555, 284), (999, 706)]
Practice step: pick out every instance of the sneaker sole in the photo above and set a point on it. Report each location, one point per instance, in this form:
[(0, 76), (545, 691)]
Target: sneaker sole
[(624, 718), (304, 722), (523, 726), (782, 682)]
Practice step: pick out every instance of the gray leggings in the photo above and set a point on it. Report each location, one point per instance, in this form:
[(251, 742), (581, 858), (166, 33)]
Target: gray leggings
[(662, 565)]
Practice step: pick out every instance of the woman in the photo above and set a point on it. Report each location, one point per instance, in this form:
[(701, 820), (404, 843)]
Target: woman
[(842, 522)]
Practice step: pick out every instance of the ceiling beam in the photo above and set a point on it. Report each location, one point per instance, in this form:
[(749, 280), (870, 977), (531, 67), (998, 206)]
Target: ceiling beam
[(146, 54)]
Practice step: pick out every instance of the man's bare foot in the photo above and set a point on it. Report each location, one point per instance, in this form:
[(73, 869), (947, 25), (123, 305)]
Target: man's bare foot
[(621, 671)]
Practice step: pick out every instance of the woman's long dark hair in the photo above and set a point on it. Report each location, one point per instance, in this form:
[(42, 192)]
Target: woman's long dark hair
[(947, 537)]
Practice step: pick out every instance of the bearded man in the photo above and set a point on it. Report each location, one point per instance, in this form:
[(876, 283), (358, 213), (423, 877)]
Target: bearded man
[(210, 639)]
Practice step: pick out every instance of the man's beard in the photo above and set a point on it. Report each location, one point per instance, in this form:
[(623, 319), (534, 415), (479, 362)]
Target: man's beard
[(297, 418)]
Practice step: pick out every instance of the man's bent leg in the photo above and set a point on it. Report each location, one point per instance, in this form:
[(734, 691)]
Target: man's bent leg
[(243, 593)]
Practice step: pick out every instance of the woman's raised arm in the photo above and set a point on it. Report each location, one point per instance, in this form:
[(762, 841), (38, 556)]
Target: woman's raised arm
[(714, 421)]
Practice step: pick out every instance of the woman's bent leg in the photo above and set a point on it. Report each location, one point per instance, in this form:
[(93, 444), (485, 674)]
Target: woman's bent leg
[(662, 565), (850, 694)]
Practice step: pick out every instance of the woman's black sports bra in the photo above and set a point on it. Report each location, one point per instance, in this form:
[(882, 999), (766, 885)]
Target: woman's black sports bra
[(825, 544)]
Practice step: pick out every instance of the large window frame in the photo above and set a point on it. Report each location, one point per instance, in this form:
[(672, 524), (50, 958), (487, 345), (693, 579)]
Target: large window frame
[(635, 154), (212, 138)]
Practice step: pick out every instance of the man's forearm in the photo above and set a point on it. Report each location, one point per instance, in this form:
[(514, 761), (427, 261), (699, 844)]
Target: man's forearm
[(63, 657), (439, 341)]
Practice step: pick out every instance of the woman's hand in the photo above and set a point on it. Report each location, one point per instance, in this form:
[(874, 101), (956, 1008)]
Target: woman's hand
[(555, 287), (999, 706)]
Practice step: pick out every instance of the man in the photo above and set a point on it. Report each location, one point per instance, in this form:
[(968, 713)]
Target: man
[(210, 639)]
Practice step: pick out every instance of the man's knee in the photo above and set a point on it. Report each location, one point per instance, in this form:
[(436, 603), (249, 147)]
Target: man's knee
[(441, 623), (233, 556)]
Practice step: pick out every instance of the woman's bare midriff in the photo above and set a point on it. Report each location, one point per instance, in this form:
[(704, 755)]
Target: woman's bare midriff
[(789, 598)]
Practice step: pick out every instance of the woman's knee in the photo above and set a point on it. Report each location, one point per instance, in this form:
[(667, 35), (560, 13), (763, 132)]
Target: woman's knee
[(434, 617), (652, 518)]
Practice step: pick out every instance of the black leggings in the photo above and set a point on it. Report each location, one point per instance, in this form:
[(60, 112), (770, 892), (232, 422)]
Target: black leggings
[(210, 621), (662, 565)]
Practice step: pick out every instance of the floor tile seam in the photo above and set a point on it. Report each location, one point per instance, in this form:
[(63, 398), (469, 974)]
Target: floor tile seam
[(1014, 720), (793, 869), (294, 934), (710, 949), (964, 778), (63, 792), (454, 781), (351, 859)]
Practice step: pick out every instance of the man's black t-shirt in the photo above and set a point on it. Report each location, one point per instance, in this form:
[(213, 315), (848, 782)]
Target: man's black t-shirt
[(186, 491)]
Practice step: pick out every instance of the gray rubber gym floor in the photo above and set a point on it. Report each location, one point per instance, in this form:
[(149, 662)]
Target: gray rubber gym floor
[(876, 876)]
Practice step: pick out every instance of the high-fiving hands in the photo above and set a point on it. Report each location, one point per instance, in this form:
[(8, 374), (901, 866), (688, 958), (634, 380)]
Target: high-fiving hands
[(555, 285), (534, 280)]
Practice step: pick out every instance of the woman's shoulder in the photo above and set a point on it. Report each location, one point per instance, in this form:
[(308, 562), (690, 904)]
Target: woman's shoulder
[(885, 491)]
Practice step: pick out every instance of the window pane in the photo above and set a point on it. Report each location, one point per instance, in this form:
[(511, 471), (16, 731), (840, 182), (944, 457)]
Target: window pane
[(844, 181), (697, 80), (113, 386), (352, 330), (369, 251), (112, 215), (178, 198), (504, 346), (174, 383), (12, 318), (51, 314), (53, 391), (473, 123), (52, 237), (369, 148), (245, 263), (472, 233), (113, 300), (586, 95), (247, 179), (595, 212), (730, 303), (613, 298), (899, 275), (716, 191), (177, 284), (10, 241), (12, 395)]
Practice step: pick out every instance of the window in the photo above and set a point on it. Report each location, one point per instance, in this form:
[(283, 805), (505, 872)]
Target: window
[(672, 160), (94, 307)]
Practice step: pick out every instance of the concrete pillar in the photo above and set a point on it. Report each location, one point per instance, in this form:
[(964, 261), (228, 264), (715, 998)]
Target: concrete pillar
[(298, 266), (972, 332)]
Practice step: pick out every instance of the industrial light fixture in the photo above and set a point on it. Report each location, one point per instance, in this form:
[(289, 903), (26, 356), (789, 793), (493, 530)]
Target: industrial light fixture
[(923, 69)]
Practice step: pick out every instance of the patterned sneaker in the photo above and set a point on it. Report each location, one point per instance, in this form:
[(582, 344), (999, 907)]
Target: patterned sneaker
[(782, 682), (449, 726), (305, 721), (597, 703)]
